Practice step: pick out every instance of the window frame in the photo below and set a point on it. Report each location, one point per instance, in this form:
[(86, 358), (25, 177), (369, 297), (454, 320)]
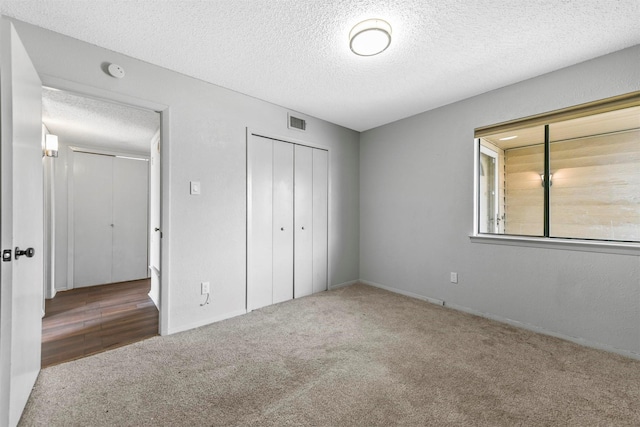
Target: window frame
[(546, 119), (496, 186)]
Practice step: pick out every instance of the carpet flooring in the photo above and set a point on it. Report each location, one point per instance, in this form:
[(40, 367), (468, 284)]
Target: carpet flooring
[(356, 356)]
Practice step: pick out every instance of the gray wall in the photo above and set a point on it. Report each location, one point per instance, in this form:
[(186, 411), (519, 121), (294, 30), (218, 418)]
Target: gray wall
[(204, 136), (416, 198)]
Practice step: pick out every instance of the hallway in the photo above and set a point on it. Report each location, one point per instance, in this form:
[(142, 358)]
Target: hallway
[(84, 321)]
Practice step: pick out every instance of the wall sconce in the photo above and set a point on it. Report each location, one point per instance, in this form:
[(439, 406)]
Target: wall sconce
[(542, 179), (51, 145)]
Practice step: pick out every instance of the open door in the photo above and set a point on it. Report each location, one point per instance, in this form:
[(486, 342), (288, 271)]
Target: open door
[(155, 234), (21, 225)]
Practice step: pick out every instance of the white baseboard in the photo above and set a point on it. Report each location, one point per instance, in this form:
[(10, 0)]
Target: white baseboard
[(342, 285), (205, 322), (518, 324), (401, 292)]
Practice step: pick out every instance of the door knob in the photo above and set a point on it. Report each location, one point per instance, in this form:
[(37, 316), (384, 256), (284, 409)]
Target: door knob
[(156, 229), (29, 252), (281, 228)]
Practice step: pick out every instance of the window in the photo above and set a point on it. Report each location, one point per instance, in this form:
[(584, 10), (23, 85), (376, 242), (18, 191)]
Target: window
[(570, 174)]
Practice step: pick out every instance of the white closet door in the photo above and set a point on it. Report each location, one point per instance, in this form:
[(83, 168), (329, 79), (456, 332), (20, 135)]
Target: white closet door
[(92, 213), (282, 221), (259, 222), (303, 236), (130, 216), (320, 219)]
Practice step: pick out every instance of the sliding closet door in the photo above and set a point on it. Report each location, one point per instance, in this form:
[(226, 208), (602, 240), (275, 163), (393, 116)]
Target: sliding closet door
[(303, 236), (320, 219), (282, 221), (130, 216), (92, 213), (259, 222)]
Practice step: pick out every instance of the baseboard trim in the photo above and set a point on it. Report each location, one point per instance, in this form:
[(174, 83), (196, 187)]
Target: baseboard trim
[(402, 292), (205, 322), (577, 340), (343, 285)]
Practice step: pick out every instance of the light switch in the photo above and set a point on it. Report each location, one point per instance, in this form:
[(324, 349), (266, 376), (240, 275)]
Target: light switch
[(195, 188)]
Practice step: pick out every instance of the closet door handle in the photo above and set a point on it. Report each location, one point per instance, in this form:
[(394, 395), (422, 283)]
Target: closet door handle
[(303, 228), (281, 228)]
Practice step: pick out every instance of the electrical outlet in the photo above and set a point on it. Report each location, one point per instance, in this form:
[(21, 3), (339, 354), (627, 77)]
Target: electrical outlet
[(205, 288), (454, 277)]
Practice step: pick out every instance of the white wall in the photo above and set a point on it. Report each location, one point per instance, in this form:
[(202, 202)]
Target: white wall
[(49, 223), (60, 167), (204, 139), (416, 195)]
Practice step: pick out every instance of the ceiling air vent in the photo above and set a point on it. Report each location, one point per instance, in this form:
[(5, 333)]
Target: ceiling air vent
[(296, 123)]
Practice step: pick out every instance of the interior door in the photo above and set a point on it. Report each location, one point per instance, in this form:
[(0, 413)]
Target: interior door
[(259, 222), (282, 221), (303, 235), (320, 219), (130, 217), (154, 220), (92, 219), (21, 225)]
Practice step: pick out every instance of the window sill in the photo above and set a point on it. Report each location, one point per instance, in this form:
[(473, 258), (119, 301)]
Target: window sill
[(619, 248)]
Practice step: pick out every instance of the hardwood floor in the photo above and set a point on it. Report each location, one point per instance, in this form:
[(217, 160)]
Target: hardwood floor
[(89, 320)]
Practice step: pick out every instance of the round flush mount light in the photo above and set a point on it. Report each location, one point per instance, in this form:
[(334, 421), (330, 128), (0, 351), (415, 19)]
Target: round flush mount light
[(370, 37)]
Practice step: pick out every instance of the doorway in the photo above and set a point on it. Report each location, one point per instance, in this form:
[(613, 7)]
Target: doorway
[(102, 225)]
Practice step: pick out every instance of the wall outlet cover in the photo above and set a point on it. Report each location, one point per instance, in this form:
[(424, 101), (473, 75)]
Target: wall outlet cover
[(205, 288)]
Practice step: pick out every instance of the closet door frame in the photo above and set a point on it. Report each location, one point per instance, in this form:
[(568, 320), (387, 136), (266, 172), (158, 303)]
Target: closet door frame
[(260, 133), (70, 201)]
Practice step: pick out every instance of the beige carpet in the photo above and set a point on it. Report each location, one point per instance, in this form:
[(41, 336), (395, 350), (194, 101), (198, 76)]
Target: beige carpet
[(354, 356)]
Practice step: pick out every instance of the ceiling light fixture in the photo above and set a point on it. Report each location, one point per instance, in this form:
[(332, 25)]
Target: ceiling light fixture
[(508, 138), (370, 37)]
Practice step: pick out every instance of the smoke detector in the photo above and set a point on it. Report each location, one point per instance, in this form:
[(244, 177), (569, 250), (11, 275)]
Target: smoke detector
[(116, 71)]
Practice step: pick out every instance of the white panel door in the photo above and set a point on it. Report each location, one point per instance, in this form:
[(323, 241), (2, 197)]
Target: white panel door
[(21, 225), (92, 219), (130, 217), (320, 219), (303, 214), (282, 221), (154, 220), (259, 222)]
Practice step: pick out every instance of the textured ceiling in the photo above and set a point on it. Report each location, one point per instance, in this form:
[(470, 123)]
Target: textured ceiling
[(295, 53), (87, 122)]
